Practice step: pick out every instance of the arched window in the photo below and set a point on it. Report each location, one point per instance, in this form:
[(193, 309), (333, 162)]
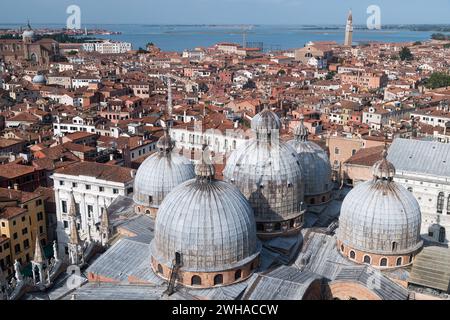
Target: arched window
[(367, 259), (196, 281), (441, 234), (218, 279), (237, 274), (352, 254), (160, 269), (394, 246), (383, 262), (399, 261), (448, 204), (440, 202)]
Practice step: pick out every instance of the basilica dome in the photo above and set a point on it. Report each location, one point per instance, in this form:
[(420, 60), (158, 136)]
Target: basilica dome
[(268, 173), (39, 79), (209, 228), (315, 164), (159, 174), (380, 221)]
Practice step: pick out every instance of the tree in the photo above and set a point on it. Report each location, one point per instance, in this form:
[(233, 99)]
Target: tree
[(417, 43), (438, 80), (405, 54), (330, 75)]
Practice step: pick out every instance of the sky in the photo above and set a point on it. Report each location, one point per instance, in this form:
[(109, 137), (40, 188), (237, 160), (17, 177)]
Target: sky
[(225, 11)]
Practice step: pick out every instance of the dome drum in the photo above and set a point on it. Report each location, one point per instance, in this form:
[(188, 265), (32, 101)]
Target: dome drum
[(318, 199), (267, 230), (207, 279), (379, 261)]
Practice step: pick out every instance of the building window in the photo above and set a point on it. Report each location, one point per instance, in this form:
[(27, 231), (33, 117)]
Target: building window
[(24, 231), (383, 262), (66, 224), (342, 248), (336, 150), (74, 184), (399, 261), (218, 279), (41, 229), (15, 235), (448, 204), (90, 210), (237, 274), (26, 244), (88, 187), (40, 216), (440, 202), (61, 183), (410, 189), (17, 248), (101, 189), (367, 259), (160, 269), (64, 206), (352, 254), (196, 281), (38, 202), (115, 191)]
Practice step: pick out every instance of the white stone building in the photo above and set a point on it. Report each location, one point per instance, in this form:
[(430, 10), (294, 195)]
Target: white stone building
[(423, 167), (188, 137), (93, 187)]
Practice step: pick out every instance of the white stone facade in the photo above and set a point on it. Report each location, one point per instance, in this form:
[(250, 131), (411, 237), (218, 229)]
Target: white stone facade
[(92, 196), (426, 189)]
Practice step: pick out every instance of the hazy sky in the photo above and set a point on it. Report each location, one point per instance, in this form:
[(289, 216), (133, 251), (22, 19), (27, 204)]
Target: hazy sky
[(225, 11)]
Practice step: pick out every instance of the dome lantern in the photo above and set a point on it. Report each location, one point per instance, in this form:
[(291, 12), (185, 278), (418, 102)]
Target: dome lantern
[(301, 133), (383, 169)]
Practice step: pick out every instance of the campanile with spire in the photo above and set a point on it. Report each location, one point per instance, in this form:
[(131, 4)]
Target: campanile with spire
[(349, 30)]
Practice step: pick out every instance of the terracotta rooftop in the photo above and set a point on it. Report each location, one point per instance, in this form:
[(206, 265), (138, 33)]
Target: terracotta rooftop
[(99, 171), (11, 212), (366, 157)]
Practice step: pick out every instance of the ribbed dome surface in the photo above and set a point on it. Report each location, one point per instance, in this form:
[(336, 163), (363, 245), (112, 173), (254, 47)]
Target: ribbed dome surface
[(269, 175), (158, 175), (210, 223), (266, 120), (378, 216), (316, 168)]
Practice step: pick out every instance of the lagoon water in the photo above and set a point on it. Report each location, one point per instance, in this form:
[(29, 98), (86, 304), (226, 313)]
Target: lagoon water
[(273, 37)]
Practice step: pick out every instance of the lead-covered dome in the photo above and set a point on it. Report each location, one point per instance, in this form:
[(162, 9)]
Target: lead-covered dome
[(209, 225), (159, 174), (315, 164), (268, 173), (380, 221), (39, 79)]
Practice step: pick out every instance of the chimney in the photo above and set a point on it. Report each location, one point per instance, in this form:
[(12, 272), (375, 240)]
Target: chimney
[(111, 157)]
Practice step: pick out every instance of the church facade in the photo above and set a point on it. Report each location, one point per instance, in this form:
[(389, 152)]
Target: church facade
[(37, 52)]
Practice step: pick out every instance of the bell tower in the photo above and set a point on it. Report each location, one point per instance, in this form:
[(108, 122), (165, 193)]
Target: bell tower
[(349, 30)]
